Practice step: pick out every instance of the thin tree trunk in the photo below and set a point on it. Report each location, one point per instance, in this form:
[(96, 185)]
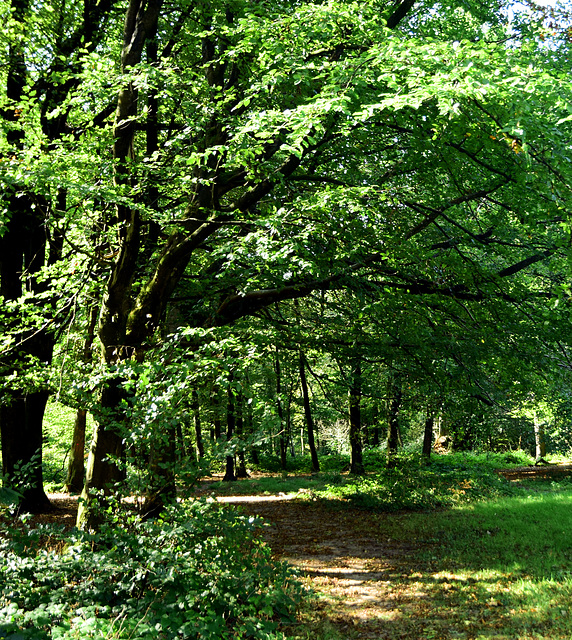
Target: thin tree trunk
[(197, 420), (393, 438), (76, 465), (250, 429), (354, 398), (241, 471), (162, 489), (539, 439), (428, 434), (283, 439), (216, 409), (229, 475), (375, 427), (308, 413)]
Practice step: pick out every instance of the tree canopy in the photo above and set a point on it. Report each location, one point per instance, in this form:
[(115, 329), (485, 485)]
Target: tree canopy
[(386, 184)]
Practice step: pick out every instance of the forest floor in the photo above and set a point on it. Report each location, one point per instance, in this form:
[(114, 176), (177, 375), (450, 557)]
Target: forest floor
[(366, 583)]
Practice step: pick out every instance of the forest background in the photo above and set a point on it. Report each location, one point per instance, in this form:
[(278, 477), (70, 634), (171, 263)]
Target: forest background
[(206, 203), (235, 230)]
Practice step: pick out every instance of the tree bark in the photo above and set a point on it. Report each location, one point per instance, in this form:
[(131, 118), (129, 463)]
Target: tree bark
[(117, 314), (76, 466), (354, 397), (428, 434), (539, 439), (197, 420), (162, 462), (241, 471), (229, 475), (283, 438), (22, 251), (395, 395), (308, 413)]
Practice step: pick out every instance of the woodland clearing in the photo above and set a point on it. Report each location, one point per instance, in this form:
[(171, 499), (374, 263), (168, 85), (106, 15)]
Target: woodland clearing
[(371, 576)]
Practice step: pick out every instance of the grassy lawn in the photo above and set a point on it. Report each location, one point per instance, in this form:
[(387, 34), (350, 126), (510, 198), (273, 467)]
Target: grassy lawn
[(499, 569)]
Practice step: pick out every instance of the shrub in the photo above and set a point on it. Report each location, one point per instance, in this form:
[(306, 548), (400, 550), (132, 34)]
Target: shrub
[(200, 572)]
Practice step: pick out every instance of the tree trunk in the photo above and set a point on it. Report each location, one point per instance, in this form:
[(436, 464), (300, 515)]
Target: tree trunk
[(197, 419), (22, 251), (216, 409), (539, 439), (118, 318), (354, 398), (428, 434), (241, 471), (76, 466), (250, 429), (395, 395), (308, 414), (21, 435), (229, 475), (162, 488), (283, 439)]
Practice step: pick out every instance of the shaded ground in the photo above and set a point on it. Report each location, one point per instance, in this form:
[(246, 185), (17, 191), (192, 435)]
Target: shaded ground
[(544, 472), (368, 584)]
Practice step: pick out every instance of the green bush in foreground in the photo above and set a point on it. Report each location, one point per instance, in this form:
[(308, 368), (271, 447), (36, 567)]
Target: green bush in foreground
[(198, 573)]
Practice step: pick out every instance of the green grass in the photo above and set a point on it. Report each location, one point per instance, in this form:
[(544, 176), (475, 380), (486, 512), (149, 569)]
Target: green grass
[(489, 569), (525, 535), (272, 485), (507, 563)]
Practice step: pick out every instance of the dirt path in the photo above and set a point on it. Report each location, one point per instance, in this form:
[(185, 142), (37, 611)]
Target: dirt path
[(345, 556), (368, 584)]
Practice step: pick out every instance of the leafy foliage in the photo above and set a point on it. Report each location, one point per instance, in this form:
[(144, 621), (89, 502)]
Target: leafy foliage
[(198, 573)]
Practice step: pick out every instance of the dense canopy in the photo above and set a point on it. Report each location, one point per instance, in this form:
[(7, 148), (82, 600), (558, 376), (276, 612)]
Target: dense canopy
[(375, 192)]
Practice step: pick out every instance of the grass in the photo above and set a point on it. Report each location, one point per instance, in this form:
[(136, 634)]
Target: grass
[(507, 562), (449, 480), (498, 568)]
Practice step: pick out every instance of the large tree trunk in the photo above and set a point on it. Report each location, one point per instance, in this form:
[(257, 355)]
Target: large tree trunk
[(22, 251), (308, 413), (118, 318), (354, 398), (21, 423)]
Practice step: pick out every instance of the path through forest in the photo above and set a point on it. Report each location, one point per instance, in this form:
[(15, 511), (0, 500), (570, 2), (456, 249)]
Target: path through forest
[(368, 585), (364, 578)]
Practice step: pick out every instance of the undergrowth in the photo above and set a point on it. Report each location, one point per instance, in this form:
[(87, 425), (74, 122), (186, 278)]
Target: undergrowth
[(415, 486), (198, 573)]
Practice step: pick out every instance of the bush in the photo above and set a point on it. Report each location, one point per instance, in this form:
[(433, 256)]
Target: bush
[(198, 573), (415, 485)]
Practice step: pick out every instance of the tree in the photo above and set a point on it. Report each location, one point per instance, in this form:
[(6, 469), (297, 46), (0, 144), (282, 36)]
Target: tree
[(402, 155)]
